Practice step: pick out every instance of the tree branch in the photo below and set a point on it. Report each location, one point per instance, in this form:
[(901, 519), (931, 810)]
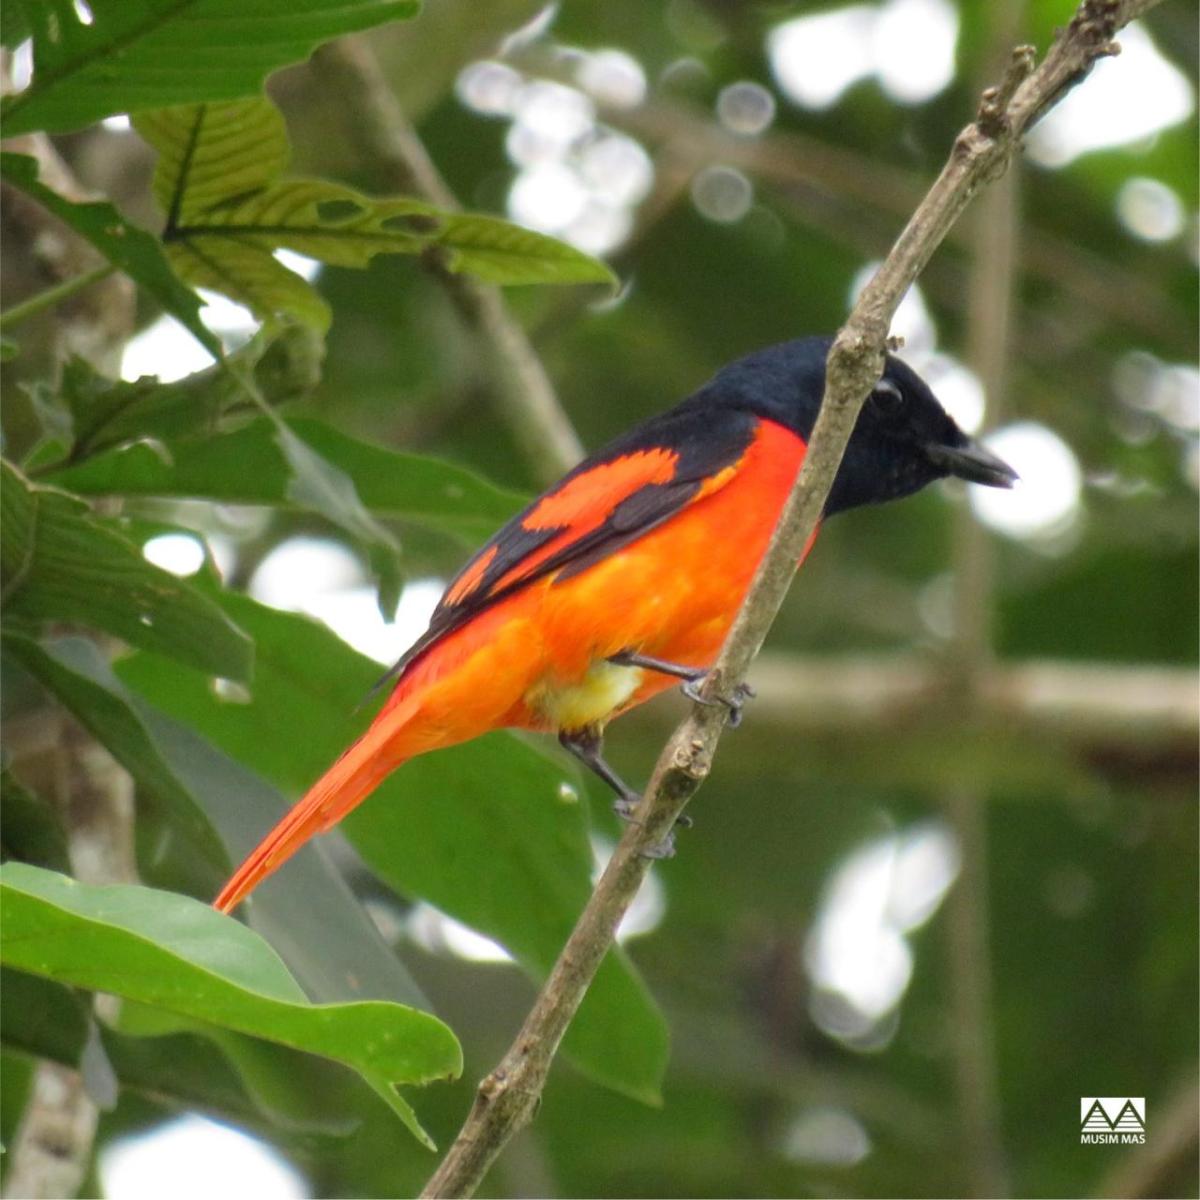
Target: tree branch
[(1101, 704), (507, 1098), (522, 389), (993, 233), (53, 1144)]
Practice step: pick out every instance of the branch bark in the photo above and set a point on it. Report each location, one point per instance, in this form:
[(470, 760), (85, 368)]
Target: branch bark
[(508, 1097), (52, 1146), (523, 391), (1094, 704)]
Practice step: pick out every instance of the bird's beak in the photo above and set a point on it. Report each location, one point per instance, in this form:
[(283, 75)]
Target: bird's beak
[(971, 461)]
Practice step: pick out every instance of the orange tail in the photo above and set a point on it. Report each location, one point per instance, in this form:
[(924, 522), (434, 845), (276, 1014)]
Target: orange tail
[(345, 785)]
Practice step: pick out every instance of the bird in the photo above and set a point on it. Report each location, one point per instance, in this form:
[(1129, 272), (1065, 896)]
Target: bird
[(622, 579)]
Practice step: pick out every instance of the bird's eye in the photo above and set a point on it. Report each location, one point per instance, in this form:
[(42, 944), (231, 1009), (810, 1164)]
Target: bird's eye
[(887, 398)]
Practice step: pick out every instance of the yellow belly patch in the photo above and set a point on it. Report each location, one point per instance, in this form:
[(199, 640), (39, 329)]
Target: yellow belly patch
[(590, 701)]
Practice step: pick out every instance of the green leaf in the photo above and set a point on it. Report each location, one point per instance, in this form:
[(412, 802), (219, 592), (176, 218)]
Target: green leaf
[(294, 1091), (43, 1018), (210, 155), (132, 250), (258, 1084), (61, 563), (16, 1090), (461, 829), (480, 830), (92, 413), (206, 813), (245, 272), (31, 831), (77, 674), (14, 26), (247, 466), (139, 54), (228, 211), (106, 412), (198, 968), (54, 418), (327, 940), (315, 483), (500, 252)]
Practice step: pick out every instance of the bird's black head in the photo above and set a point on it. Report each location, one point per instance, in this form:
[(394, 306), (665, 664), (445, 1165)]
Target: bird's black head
[(903, 440)]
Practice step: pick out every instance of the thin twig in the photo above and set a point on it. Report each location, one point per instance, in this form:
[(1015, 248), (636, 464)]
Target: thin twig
[(509, 1095), (522, 389), (54, 295), (97, 303)]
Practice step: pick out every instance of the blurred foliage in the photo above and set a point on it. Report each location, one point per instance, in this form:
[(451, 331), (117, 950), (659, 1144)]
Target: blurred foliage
[(382, 435)]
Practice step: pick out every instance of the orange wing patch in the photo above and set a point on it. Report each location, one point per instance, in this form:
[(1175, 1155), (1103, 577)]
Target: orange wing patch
[(471, 577), (584, 502)]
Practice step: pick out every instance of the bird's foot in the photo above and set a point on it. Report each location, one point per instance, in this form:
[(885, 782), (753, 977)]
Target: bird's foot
[(736, 703), (625, 806), (660, 850)]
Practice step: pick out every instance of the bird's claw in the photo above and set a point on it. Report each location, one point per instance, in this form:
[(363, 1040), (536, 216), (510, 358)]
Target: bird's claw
[(659, 850), (625, 806), (735, 703)]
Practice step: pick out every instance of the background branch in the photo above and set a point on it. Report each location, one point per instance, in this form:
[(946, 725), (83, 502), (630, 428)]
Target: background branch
[(52, 1148), (508, 1096), (993, 235), (522, 389), (1110, 704)]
